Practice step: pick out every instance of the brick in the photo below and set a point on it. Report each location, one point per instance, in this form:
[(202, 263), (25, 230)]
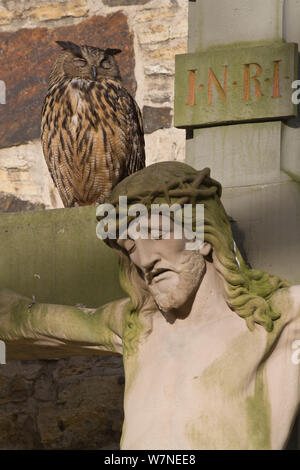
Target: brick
[(156, 118)]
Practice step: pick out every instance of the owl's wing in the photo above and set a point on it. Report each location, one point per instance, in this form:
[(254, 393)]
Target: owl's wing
[(132, 114), (92, 138), (51, 138)]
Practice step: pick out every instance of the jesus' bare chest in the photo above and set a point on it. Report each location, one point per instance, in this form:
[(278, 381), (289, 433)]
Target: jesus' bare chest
[(199, 389)]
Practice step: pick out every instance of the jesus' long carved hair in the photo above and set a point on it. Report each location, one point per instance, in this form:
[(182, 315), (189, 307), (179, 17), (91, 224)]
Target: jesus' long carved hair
[(248, 290)]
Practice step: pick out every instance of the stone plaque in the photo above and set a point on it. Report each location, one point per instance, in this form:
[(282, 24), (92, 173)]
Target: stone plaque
[(235, 85)]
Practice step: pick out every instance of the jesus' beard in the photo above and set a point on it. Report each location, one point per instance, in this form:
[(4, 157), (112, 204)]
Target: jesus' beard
[(190, 274)]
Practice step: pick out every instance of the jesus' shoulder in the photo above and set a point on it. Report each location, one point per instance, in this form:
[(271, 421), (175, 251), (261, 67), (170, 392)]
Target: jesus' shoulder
[(61, 330), (283, 356), (286, 301)]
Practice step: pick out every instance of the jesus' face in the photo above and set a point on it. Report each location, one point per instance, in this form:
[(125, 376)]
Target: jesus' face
[(171, 273)]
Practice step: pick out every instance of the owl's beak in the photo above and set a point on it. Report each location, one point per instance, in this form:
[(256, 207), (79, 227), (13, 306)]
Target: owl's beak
[(94, 72)]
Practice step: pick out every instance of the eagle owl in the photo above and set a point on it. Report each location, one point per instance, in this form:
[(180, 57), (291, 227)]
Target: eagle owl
[(92, 131)]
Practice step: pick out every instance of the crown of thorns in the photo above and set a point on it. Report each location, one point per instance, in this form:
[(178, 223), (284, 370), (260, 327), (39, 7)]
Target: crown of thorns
[(156, 183), (189, 186)]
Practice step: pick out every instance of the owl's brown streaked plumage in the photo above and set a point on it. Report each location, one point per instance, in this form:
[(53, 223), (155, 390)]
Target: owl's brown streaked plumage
[(92, 131)]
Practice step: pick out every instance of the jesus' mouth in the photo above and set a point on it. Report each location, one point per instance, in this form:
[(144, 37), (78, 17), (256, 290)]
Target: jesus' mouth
[(157, 275)]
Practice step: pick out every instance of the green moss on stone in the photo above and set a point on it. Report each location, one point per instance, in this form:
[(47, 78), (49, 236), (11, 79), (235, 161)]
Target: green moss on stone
[(294, 177), (259, 415)]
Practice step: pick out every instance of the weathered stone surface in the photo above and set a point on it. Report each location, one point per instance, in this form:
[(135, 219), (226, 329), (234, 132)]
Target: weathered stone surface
[(4, 391), (240, 154), (161, 32), (44, 388), (6, 16), (156, 118), (74, 403), (167, 142), (235, 85), (18, 12), (12, 11), (24, 173), (19, 389), (26, 57), (212, 23), (159, 89), (18, 430), (87, 414), (117, 3), (290, 158), (54, 11), (269, 216), (50, 269), (11, 203)]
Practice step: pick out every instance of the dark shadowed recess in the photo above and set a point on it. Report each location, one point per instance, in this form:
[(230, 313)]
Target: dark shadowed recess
[(11, 203)]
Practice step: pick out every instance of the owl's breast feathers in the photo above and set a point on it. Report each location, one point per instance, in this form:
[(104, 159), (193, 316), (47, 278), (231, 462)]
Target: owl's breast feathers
[(92, 136)]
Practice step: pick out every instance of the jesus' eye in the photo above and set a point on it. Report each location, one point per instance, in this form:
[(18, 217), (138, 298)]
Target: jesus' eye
[(105, 63), (129, 246), (79, 62)]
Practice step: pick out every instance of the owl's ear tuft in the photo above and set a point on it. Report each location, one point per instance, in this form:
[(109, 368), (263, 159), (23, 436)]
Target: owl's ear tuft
[(112, 51), (70, 46)]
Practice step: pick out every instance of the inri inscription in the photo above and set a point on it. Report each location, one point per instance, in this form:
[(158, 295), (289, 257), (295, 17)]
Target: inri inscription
[(235, 85)]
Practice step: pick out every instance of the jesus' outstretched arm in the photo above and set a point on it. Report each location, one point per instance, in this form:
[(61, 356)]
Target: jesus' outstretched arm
[(63, 329)]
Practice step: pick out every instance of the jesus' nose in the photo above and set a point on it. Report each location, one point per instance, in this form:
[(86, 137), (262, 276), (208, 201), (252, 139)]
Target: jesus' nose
[(147, 257)]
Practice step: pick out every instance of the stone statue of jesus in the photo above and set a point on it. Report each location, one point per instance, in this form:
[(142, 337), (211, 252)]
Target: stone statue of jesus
[(211, 347)]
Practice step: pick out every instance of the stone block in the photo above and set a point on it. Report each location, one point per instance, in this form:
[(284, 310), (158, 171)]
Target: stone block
[(156, 118), (56, 256), (24, 175), (55, 11), (290, 149), (238, 155), (165, 144), (235, 85), (7, 16), (268, 226), (234, 22), (291, 17)]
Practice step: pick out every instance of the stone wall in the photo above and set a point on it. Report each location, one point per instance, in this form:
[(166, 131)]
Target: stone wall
[(149, 32), (67, 404), (75, 403)]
